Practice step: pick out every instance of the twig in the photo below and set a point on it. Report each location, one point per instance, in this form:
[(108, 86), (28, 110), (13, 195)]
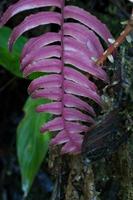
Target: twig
[(118, 42)]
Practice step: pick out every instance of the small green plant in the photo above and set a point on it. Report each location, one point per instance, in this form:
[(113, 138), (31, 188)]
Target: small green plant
[(31, 145)]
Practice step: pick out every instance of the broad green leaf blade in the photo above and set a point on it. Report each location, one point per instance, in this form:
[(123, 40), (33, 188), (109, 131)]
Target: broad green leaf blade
[(10, 61), (32, 146)]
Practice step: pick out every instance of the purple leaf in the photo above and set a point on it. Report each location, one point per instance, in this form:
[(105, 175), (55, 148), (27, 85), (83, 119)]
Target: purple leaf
[(73, 58), (54, 108), (24, 5), (67, 58), (71, 147), (85, 36), (56, 124), (50, 93), (48, 65), (38, 42), (71, 114), (78, 77), (74, 127), (42, 53), (71, 44), (89, 20), (45, 82), (61, 137), (73, 101), (73, 88), (41, 18)]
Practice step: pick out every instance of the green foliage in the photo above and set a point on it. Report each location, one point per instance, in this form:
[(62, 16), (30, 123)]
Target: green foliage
[(31, 145), (10, 61)]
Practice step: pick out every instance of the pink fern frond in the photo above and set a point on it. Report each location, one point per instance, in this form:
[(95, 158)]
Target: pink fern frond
[(66, 56)]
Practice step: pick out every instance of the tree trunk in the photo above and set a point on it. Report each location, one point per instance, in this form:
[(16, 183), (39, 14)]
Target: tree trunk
[(110, 178)]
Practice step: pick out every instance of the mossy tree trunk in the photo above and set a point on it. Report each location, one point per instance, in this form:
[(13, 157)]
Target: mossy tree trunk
[(110, 178)]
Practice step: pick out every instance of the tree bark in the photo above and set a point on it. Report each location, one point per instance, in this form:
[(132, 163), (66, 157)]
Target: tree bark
[(110, 178)]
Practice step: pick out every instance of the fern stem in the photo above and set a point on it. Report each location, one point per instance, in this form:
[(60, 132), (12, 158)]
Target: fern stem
[(62, 56), (63, 73)]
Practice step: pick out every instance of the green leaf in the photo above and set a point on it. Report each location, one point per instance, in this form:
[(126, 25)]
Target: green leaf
[(10, 61), (32, 146)]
